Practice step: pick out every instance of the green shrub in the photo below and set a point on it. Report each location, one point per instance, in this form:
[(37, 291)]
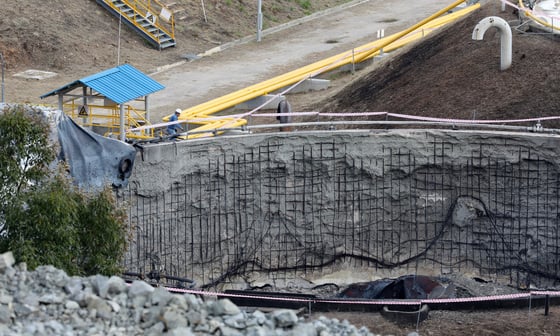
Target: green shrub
[(25, 152), (42, 227), (45, 219), (103, 234)]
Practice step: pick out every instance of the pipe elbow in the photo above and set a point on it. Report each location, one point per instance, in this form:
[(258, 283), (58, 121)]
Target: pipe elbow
[(477, 34), (505, 36), (489, 22)]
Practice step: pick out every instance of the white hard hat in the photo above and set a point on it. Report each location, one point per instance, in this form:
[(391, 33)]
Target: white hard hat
[(178, 111)]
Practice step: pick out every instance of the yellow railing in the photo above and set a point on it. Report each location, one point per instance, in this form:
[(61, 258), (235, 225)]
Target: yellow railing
[(356, 55), (161, 16), (107, 118)]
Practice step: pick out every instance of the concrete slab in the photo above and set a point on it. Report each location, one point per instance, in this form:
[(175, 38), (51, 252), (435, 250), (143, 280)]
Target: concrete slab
[(312, 84), (35, 74)]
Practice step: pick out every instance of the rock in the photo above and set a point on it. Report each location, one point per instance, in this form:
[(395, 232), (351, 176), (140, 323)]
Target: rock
[(5, 298), (193, 302), (99, 285), (71, 305), (114, 306), (238, 321), (113, 287), (139, 289), (55, 326), (223, 307), (172, 319), (73, 287), (5, 314), (308, 329), (227, 331), (160, 296), (256, 331), (49, 276), (179, 302), (101, 307), (51, 298), (48, 302), (156, 330), (285, 318), (259, 317), (194, 317), (183, 331), (6, 260)]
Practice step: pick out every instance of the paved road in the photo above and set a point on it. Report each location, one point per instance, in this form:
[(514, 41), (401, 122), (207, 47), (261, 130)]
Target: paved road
[(298, 44)]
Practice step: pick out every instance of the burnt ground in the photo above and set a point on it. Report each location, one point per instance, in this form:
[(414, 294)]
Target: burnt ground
[(449, 75)]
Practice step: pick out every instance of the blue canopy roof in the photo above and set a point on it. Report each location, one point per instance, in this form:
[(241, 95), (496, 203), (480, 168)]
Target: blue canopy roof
[(120, 84)]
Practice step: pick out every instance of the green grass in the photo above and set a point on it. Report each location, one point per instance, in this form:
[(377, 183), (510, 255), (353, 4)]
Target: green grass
[(305, 4)]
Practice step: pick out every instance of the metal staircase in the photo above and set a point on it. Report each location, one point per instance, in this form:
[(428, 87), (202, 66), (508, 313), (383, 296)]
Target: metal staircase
[(151, 19)]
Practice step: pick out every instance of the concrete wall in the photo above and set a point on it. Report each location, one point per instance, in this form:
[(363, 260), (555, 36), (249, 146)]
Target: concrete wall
[(348, 206)]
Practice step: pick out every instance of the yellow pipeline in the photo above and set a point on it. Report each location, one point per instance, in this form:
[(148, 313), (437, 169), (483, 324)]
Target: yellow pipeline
[(536, 19), (389, 43)]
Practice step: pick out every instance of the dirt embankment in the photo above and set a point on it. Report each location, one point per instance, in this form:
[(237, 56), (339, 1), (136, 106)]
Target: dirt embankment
[(452, 76)]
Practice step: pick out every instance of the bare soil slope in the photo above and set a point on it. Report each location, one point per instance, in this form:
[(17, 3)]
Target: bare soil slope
[(72, 35), (452, 76), (78, 38)]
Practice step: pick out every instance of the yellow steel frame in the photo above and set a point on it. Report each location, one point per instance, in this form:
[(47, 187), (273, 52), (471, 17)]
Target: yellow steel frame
[(152, 6), (108, 117), (356, 55)]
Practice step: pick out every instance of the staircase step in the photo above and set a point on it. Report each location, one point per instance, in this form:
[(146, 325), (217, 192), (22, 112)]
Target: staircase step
[(167, 45), (135, 19)]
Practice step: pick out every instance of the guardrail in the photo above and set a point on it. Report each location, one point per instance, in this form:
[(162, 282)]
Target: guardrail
[(107, 118), (226, 128)]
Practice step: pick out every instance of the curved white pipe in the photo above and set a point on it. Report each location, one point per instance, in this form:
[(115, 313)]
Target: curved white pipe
[(505, 37)]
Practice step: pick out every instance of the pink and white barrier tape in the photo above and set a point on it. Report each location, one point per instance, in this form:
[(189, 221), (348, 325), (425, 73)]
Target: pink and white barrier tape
[(373, 302)]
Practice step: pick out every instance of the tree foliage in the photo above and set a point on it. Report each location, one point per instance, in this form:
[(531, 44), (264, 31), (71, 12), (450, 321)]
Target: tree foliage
[(25, 153), (45, 219)]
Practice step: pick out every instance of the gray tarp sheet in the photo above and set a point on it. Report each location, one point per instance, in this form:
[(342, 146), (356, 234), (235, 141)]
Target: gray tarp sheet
[(94, 160)]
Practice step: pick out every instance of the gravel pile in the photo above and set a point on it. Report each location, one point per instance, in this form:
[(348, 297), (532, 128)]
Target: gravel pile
[(49, 302)]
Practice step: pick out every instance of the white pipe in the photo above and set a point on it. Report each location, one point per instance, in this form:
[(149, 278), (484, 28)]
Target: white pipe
[(505, 37)]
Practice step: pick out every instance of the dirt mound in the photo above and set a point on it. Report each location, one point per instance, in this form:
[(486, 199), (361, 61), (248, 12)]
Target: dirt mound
[(452, 76)]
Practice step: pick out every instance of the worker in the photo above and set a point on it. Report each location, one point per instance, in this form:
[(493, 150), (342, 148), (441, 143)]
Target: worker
[(172, 129)]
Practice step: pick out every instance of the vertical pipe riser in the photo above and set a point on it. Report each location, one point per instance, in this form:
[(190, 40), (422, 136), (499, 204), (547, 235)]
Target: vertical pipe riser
[(505, 37)]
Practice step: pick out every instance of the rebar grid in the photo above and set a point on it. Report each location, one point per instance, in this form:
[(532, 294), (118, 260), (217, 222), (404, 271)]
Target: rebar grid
[(283, 214)]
